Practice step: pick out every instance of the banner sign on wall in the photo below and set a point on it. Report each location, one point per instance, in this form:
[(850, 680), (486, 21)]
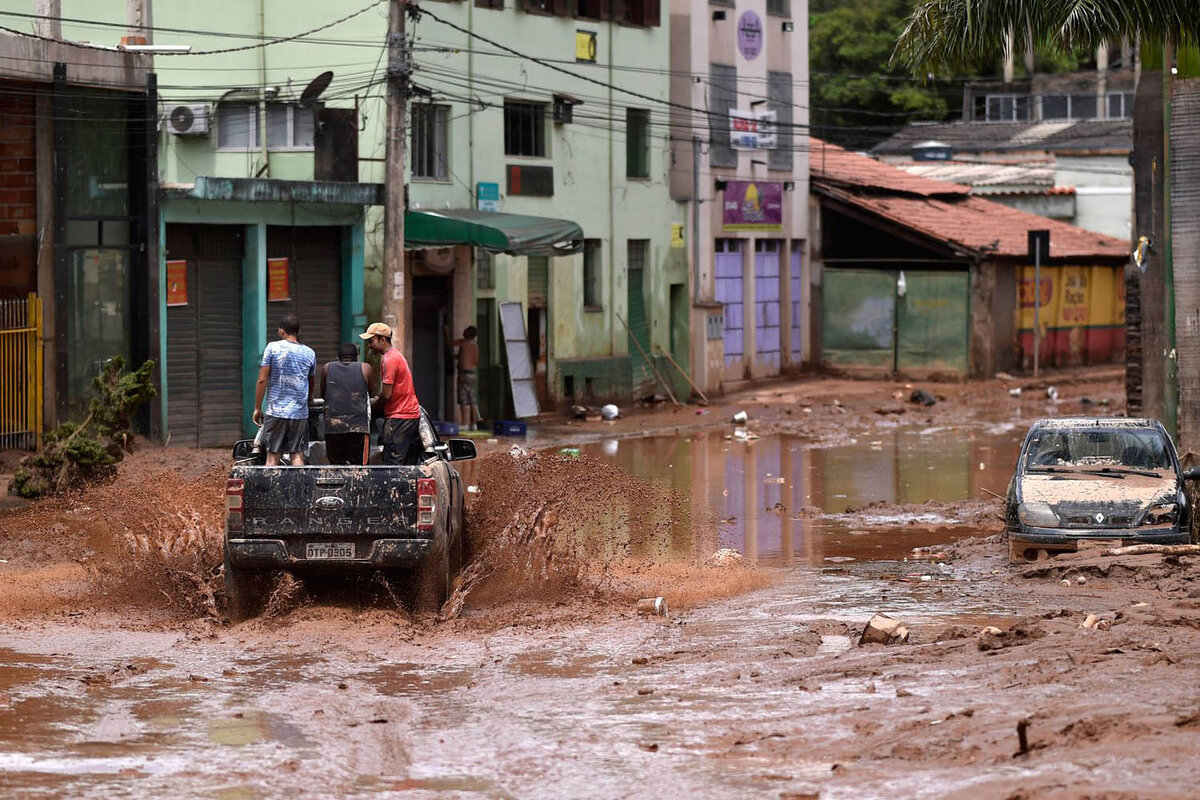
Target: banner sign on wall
[(278, 287), (752, 130), (177, 290), (753, 206)]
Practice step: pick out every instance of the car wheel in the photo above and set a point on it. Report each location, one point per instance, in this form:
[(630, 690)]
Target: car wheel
[(432, 582), (243, 591)]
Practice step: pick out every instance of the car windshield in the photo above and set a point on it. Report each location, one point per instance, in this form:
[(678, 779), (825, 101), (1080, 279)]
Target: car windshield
[(1130, 448)]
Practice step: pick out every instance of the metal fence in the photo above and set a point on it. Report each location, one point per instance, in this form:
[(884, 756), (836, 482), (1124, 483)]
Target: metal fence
[(21, 373)]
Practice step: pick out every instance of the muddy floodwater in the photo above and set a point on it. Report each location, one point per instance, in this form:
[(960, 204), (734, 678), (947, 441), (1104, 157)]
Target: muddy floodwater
[(782, 502), (761, 694)]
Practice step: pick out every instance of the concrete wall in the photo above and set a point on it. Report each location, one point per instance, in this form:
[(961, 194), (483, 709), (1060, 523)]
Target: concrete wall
[(700, 41), (588, 158), (1103, 191)]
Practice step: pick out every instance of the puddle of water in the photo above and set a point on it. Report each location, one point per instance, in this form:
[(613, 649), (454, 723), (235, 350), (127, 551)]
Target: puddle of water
[(416, 679), (780, 501)]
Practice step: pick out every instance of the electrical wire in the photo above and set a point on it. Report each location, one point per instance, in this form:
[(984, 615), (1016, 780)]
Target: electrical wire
[(219, 51)]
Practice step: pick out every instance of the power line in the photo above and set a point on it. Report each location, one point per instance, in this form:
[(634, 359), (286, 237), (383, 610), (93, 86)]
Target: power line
[(220, 51)]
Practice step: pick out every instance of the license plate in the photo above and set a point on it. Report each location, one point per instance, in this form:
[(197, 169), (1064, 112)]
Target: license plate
[(329, 550)]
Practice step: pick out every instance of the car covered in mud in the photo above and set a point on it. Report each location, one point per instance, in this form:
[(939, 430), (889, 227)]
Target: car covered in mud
[(1083, 481)]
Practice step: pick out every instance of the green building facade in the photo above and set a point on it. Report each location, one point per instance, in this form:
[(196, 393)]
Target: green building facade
[(270, 197)]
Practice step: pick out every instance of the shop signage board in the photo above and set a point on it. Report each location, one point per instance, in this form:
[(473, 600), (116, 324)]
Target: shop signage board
[(278, 285), (753, 206)]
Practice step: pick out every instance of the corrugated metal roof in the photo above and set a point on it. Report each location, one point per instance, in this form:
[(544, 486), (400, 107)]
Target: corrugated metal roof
[(1021, 176), (976, 137)]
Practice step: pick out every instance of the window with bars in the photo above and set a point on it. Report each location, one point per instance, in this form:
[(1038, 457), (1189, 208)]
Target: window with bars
[(635, 253), (1006, 107), (722, 96), (779, 100), (1070, 106), (524, 128), (591, 274), (485, 275), (289, 126), (1120, 105), (637, 143), (779, 8), (237, 125), (430, 147), (593, 9), (640, 13)]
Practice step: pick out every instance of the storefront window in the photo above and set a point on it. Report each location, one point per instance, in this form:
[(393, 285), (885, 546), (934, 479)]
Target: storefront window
[(98, 303), (99, 290)]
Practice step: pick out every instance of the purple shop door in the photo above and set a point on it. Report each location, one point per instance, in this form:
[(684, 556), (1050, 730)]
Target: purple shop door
[(767, 344), (730, 290), (797, 305)]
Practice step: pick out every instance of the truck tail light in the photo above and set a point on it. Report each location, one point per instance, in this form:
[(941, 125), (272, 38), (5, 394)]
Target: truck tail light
[(426, 506), (234, 503)]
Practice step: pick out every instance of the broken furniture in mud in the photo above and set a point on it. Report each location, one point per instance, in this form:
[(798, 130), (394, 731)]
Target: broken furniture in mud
[(1086, 482)]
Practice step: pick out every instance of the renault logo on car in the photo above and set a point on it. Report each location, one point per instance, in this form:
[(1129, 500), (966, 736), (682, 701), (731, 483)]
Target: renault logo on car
[(1099, 518)]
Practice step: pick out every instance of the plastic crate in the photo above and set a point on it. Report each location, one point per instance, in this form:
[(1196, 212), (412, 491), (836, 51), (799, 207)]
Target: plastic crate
[(504, 427), (446, 428)]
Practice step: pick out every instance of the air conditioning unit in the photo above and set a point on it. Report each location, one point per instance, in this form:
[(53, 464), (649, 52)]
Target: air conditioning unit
[(189, 120)]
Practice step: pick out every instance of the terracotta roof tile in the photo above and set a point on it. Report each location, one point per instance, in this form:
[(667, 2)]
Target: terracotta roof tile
[(835, 165), (970, 222)]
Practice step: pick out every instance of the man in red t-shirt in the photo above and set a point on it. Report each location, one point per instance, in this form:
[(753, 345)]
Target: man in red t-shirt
[(397, 401)]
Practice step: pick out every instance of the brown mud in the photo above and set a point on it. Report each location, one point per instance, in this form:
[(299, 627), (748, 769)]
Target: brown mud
[(117, 679)]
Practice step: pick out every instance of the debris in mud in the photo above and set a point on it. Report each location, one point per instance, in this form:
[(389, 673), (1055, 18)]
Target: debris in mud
[(76, 453), (882, 629), (740, 418), (1021, 632), (724, 557), (1022, 738), (656, 606), (922, 397)]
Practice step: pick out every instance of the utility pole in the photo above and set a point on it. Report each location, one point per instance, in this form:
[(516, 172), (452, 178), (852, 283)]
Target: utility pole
[(399, 68)]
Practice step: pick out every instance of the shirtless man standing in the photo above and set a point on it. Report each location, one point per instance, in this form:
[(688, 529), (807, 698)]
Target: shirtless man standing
[(468, 363)]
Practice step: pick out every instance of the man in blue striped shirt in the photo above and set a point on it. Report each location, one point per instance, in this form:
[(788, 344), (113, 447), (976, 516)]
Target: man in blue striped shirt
[(286, 380)]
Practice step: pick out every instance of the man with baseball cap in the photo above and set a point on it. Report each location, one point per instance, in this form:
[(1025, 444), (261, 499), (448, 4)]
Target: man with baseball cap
[(397, 401)]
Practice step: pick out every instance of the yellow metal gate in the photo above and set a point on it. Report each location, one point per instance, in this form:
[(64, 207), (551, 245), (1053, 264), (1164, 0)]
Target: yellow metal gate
[(21, 373)]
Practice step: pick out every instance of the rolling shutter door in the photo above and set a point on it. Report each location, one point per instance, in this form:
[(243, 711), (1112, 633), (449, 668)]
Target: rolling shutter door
[(183, 354), (538, 281), (204, 337), (315, 280)]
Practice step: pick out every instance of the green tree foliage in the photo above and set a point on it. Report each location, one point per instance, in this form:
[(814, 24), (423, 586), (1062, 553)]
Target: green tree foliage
[(858, 96), (76, 453)]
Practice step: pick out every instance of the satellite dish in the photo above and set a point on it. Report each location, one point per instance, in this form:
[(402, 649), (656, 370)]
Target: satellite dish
[(318, 85)]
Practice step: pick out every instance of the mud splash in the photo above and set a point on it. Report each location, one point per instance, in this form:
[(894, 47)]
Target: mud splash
[(549, 529), (150, 540)]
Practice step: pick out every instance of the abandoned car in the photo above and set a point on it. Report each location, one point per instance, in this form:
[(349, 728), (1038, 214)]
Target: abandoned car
[(1084, 482)]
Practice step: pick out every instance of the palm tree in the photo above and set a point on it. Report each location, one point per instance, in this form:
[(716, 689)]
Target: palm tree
[(1166, 298)]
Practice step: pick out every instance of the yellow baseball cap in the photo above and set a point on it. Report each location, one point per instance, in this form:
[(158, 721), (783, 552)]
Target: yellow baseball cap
[(376, 329)]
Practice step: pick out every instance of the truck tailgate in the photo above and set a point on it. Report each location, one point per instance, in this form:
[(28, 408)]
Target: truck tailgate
[(377, 501)]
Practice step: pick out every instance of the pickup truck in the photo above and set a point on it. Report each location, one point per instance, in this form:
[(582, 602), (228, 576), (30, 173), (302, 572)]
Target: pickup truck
[(319, 519)]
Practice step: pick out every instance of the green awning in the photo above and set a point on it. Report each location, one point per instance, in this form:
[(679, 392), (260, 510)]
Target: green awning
[(515, 234)]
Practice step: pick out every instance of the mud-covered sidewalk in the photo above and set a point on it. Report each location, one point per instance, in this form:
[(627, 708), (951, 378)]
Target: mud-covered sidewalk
[(120, 677)]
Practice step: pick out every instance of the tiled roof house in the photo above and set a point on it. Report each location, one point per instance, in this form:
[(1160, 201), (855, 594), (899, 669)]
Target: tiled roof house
[(944, 270)]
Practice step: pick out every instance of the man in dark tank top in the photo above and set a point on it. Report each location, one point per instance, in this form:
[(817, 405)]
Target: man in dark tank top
[(345, 385)]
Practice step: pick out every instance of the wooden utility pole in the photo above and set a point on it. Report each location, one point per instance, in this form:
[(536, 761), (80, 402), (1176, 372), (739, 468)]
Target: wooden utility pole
[(399, 67)]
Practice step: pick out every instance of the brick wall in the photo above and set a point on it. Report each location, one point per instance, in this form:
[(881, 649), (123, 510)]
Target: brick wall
[(18, 190)]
